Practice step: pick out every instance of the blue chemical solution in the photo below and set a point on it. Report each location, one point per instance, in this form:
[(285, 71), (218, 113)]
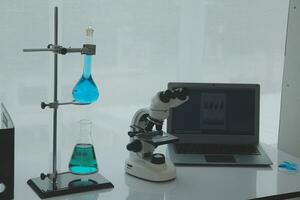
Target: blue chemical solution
[(288, 166), (83, 160), (86, 91)]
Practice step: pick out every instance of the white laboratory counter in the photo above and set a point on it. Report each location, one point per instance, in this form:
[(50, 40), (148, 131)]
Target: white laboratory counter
[(33, 145), (192, 182)]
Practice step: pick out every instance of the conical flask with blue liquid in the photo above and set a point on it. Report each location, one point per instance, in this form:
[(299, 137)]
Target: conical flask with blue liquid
[(86, 91), (83, 160)]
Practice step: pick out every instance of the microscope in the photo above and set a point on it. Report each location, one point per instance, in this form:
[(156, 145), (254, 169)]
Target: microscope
[(143, 162)]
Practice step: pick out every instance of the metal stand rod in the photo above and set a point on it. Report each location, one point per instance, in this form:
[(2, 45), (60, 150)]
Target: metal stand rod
[(88, 49), (33, 50), (74, 50), (60, 50), (54, 166), (72, 103)]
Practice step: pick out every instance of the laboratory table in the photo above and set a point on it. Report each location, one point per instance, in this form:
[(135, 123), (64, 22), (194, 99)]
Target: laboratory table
[(193, 182), (33, 146)]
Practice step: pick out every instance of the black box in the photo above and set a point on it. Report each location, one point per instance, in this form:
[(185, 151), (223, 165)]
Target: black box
[(7, 146)]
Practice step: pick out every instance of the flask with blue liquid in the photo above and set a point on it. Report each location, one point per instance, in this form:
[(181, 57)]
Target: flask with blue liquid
[(83, 160), (86, 91)]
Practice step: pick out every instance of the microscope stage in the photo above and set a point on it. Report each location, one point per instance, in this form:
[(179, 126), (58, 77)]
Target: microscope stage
[(157, 138)]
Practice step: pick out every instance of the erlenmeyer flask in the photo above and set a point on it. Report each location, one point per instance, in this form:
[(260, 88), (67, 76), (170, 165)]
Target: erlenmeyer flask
[(83, 160), (86, 91)]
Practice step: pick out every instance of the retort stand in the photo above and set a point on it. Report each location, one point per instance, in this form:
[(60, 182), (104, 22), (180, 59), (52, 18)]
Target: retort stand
[(56, 184)]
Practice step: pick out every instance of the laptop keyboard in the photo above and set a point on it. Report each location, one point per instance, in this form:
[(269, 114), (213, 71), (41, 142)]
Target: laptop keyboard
[(216, 149)]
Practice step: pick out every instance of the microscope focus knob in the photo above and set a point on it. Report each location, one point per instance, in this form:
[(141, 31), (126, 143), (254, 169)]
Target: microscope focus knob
[(158, 158), (134, 146)]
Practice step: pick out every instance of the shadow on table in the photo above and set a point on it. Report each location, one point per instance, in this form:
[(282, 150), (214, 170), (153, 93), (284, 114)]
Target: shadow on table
[(141, 189)]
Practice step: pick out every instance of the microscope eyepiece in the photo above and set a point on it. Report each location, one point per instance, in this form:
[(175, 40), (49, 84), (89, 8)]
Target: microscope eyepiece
[(165, 96), (181, 93)]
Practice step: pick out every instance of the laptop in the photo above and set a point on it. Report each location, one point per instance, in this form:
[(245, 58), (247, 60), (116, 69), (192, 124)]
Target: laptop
[(218, 125)]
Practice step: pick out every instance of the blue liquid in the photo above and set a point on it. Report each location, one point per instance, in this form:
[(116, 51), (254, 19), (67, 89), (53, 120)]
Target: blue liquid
[(289, 166), (86, 91), (83, 160)]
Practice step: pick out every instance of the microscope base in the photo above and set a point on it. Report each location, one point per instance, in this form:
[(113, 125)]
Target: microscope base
[(68, 183), (146, 170)]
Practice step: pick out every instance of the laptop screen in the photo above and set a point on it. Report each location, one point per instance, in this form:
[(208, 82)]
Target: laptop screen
[(216, 109)]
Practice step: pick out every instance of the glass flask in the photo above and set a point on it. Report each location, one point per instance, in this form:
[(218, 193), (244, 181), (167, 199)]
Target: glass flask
[(83, 160), (85, 90)]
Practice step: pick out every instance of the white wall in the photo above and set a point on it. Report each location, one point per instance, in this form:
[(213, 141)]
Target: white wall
[(289, 135), (141, 45), (235, 41), (151, 41)]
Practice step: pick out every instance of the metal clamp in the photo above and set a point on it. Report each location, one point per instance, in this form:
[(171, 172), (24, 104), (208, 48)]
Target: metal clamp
[(56, 104), (88, 49), (50, 105)]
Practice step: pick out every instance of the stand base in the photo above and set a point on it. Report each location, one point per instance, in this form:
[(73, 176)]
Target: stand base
[(68, 183)]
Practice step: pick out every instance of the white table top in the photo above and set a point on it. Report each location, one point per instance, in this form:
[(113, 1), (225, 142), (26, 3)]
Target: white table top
[(33, 145), (204, 183), (192, 182)]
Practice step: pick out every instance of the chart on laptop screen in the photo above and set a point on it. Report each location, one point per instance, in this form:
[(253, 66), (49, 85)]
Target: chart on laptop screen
[(216, 111)]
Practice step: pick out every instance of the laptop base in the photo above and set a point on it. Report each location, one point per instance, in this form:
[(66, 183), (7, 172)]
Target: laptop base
[(261, 159)]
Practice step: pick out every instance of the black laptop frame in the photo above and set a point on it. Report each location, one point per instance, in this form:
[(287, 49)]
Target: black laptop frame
[(188, 138)]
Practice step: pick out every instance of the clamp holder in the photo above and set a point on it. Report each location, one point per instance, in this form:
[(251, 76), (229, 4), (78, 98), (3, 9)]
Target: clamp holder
[(55, 105), (87, 49)]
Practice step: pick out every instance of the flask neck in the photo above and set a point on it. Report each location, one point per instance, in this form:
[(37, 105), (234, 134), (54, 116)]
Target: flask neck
[(87, 66), (85, 136), (89, 39)]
